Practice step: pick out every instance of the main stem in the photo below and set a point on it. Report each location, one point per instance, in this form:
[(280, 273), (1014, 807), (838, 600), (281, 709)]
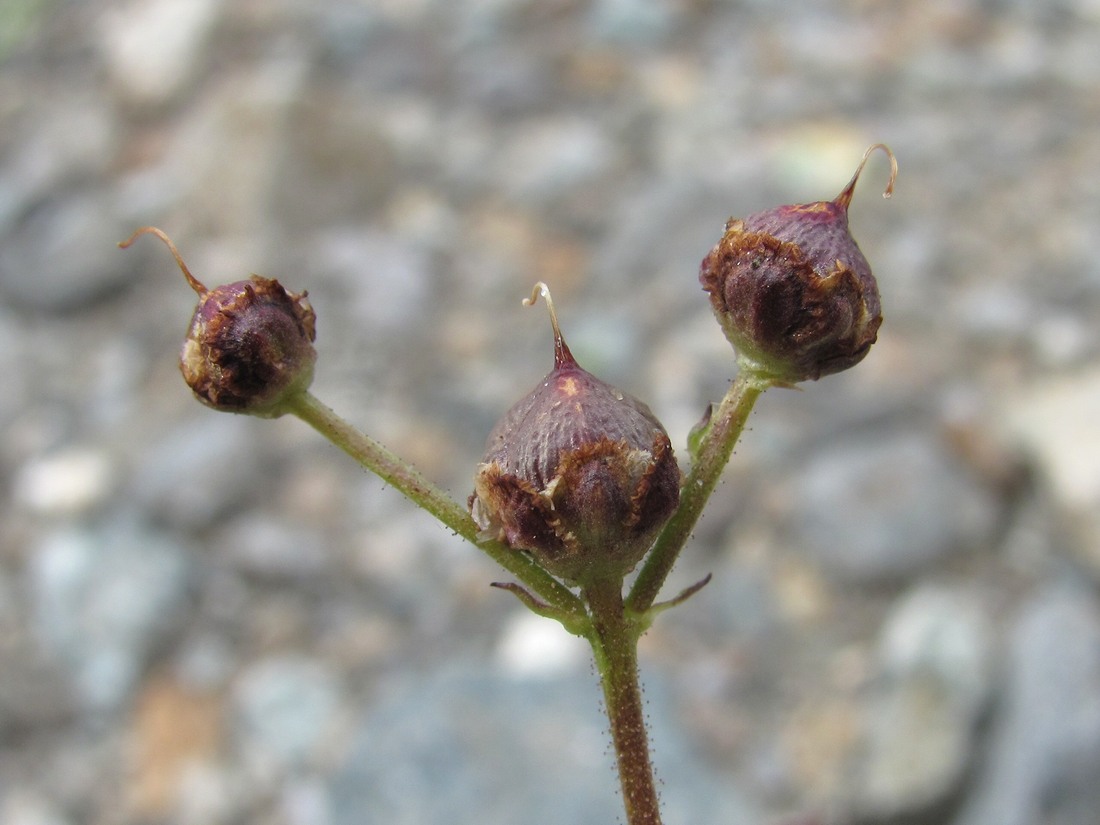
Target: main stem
[(398, 473), (614, 641)]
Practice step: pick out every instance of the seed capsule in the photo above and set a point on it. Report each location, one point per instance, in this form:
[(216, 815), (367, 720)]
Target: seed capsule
[(578, 473), (249, 345), (792, 290)]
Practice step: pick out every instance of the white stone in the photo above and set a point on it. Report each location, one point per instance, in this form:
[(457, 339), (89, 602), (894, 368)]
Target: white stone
[(1055, 422), (66, 483), (151, 48), (535, 647)]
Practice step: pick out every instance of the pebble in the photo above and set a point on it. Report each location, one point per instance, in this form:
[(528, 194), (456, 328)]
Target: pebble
[(546, 157), (17, 370), (152, 47), (59, 141), (172, 728), (934, 682), (35, 691), (1044, 749), (67, 483), (332, 164), (198, 471), (461, 743), (284, 708), (884, 507), (271, 549), (417, 164), (385, 282), (531, 646), (22, 808), (102, 598), (1054, 423), (205, 662), (631, 21), (54, 258)]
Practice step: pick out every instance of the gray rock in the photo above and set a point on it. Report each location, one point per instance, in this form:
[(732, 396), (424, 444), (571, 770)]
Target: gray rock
[(548, 157), (1045, 749), (284, 708), (33, 689), (268, 547), (334, 164), (461, 744), (385, 282), (942, 630), (632, 21), (416, 164), (1054, 423), (103, 597), (934, 659), (205, 662), (59, 253), (21, 807), (152, 49), (57, 143), (198, 471), (17, 369), (884, 507)]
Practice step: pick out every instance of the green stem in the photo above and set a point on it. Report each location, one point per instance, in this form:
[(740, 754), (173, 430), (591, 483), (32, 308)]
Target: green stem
[(614, 639), (399, 474), (727, 423)]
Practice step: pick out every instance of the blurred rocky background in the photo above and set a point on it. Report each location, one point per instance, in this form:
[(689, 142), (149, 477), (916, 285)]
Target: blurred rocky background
[(208, 619)]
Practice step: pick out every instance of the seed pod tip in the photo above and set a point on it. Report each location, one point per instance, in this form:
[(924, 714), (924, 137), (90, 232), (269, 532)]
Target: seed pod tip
[(192, 281)]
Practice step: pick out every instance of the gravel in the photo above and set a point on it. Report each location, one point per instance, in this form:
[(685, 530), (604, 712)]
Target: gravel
[(210, 619)]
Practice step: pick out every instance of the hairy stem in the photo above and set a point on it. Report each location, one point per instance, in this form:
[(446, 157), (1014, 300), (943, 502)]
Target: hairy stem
[(614, 639), (401, 475), (715, 448)]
